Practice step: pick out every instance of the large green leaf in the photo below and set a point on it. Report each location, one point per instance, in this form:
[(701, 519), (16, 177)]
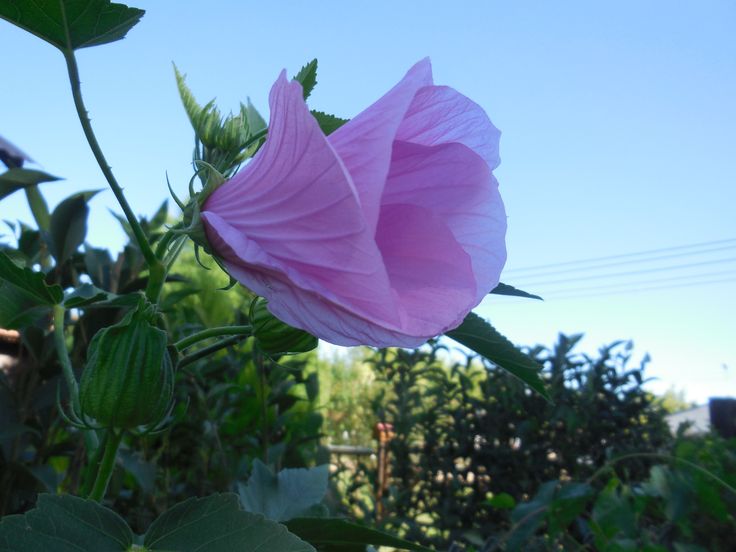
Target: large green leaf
[(16, 179), (286, 495), (65, 524), (478, 335), (505, 289), (307, 77), (339, 535), (25, 294), (69, 225), (72, 24), (85, 295), (217, 524)]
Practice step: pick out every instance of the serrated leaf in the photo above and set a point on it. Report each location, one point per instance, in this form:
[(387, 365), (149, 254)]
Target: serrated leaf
[(61, 523), (13, 180), (217, 524), (69, 225), (285, 495), (85, 295), (307, 77), (328, 123), (480, 336), (25, 294), (72, 24), (339, 535), (505, 289)]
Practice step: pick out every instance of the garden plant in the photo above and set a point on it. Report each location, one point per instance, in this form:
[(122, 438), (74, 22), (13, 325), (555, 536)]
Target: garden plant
[(324, 221)]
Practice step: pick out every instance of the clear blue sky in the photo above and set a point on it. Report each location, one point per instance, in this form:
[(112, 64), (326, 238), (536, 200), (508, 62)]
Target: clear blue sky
[(618, 120)]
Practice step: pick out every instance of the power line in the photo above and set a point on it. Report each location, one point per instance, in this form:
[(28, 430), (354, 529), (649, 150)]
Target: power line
[(623, 255), (632, 272), (550, 293), (639, 290), (631, 261)]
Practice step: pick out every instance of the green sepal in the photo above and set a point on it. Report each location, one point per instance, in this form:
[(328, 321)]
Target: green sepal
[(129, 376)]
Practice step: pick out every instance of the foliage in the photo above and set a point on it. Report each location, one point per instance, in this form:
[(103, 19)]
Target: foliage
[(469, 441), (687, 502)]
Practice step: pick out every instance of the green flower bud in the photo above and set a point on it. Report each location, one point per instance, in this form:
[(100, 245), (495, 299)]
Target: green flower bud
[(274, 336), (128, 380)]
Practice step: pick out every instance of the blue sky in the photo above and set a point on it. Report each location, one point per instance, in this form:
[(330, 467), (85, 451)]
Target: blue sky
[(618, 120)]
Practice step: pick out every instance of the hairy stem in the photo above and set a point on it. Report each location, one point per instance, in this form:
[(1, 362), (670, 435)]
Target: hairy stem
[(90, 437), (207, 351), (213, 332), (140, 237), (63, 354), (107, 464)]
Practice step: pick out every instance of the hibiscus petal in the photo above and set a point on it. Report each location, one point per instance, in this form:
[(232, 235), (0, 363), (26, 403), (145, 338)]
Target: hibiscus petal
[(455, 185), (364, 143), (293, 214), (428, 269), (440, 115)]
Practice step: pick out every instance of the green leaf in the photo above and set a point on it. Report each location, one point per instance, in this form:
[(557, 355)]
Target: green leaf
[(25, 294), (339, 535), (505, 289), (63, 523), (86, 294), (286, 495), (307, 77), (217, 524), (328, 123), (69, 225), (16, 179), (72, 24), (478, 335), (256, 123)]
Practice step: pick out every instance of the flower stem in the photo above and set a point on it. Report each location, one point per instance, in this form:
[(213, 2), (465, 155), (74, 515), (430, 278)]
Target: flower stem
[(63, 354), (213, 332), (90, 437), (206, 351), (106, 466), (140, 237)]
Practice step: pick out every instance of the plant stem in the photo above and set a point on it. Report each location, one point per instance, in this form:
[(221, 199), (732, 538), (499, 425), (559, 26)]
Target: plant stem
[(202, 353), (140, 237), (213, 332), (106, 466), (90, 437), (63, 354)]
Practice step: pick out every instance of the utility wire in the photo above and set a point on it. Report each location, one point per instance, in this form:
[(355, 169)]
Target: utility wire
[(550, 293), (638, 290), (632, 272), (619, 263), (622, 256)]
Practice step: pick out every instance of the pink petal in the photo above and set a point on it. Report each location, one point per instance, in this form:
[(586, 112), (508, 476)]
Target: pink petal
[(455, 185), (364, 144), (440, 115), (429, 270), (292, 215)]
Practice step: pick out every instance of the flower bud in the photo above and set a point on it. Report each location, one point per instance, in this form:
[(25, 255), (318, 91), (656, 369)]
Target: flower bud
[(274, 336), (128, 380)]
